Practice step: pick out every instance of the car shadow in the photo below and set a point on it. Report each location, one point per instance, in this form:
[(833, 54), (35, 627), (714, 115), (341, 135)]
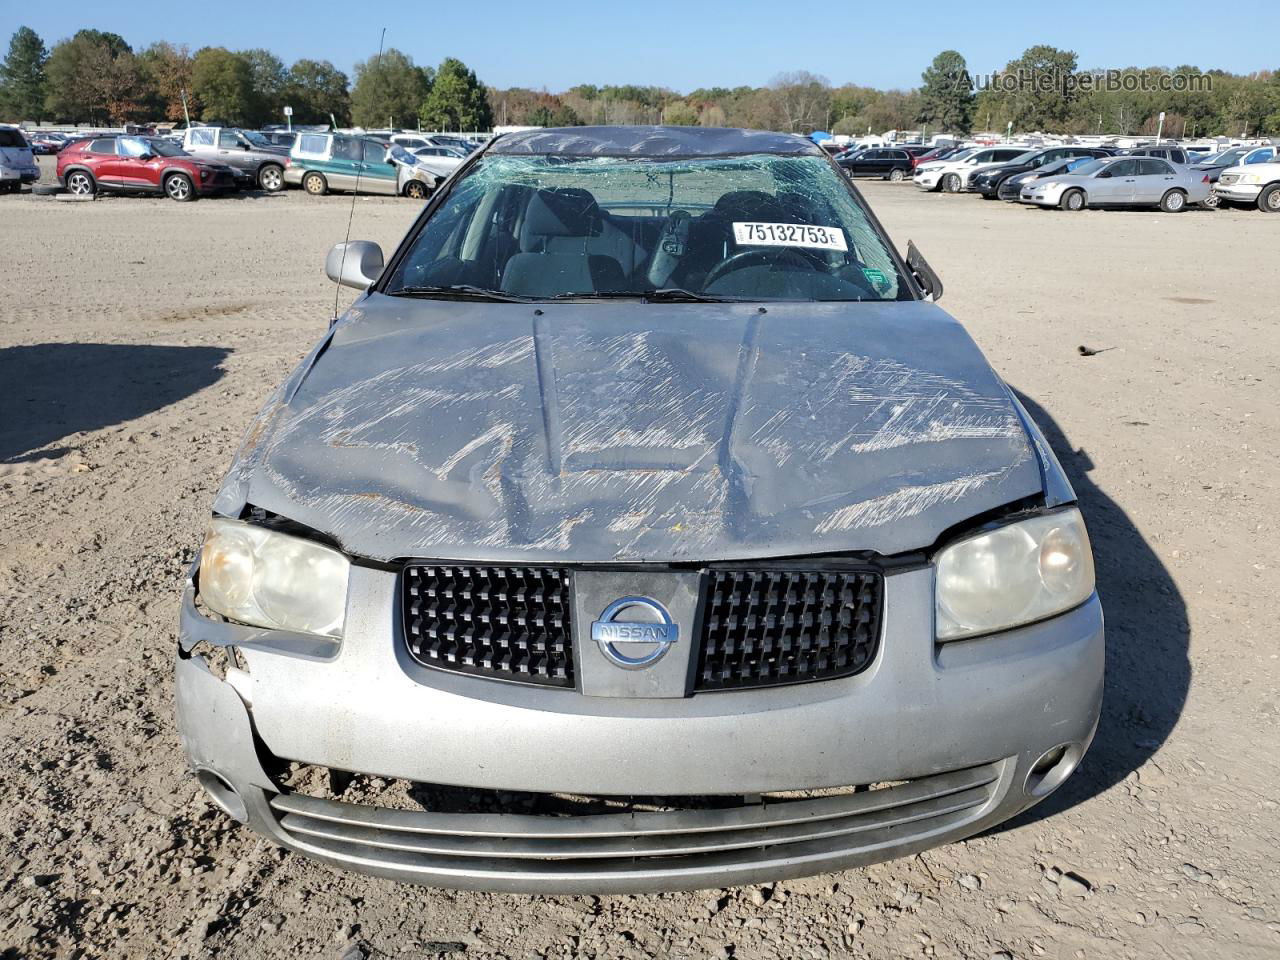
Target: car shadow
[(1148, 673), (53, 390)]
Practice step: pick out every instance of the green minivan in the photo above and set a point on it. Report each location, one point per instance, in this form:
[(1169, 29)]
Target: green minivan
[(321, 162)]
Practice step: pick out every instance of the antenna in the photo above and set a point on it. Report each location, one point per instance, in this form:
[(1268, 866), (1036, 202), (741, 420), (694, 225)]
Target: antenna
[(337, 287)]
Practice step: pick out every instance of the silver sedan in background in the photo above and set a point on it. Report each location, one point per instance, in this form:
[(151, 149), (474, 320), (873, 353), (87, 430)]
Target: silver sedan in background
[(1121, 182)]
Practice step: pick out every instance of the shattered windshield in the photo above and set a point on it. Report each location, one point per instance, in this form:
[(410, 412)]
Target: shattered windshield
[(755, 227)]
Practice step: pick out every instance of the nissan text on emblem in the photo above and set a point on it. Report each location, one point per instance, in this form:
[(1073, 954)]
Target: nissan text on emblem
[(641, 625)]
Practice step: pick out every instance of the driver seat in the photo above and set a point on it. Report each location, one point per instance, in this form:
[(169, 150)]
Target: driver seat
[(711, 235)]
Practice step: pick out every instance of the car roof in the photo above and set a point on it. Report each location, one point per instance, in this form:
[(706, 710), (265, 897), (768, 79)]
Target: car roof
[(654, 141)]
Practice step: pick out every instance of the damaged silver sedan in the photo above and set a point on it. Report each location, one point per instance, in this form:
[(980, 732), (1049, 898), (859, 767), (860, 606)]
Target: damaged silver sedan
[(643, 525)]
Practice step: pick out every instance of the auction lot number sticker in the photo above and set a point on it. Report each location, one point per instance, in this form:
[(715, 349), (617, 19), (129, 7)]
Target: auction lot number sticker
[(789, 235)]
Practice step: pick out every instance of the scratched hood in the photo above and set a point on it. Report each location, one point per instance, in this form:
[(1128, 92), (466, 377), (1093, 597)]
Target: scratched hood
[(594, 432)]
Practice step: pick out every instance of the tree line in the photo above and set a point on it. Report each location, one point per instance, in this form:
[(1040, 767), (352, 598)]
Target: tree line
[(97, 77)]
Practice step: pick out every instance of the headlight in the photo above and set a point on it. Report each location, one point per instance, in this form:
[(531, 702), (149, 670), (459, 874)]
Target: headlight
[(1012, 575), (1051, 185), (1251, 178), (268, 579)]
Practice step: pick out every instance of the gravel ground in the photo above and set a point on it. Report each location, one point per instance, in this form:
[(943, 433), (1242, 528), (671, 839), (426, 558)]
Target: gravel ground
[(137, 338)]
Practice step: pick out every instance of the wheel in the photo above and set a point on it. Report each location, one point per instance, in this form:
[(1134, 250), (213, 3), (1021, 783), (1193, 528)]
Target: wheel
[(315, 184), (1072, 200), (271, 177), (1175, 201), (178, 186), (1269, 199), (951, 183), (897, 176), (80, 183), (416, 190)]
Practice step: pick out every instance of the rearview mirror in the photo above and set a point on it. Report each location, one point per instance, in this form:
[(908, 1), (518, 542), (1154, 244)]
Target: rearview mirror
[(923, 273), (355, 264)]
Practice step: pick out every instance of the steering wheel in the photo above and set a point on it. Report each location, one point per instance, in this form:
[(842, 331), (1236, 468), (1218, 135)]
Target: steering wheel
[(672, 244), (750, 258)]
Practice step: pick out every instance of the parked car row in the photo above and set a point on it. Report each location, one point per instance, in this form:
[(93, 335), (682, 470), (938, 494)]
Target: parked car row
[(207, 160), (1076, 177)]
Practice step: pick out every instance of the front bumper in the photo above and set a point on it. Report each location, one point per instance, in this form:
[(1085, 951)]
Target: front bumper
[(1239, 192), (927, 181), (962, 723), (1040, 197)]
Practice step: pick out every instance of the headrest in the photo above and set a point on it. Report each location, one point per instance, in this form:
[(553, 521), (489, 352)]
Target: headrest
[(749, 205), (566, 212)]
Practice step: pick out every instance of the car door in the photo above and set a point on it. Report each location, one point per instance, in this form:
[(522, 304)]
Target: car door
[(202, 142), (344, 162), (1153, 177), (108, 165), (377, 173), (232, 151), (136, 164), (1114, 184)]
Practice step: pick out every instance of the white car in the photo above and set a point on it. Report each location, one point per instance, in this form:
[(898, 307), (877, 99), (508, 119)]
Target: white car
[(952, 174), (1121, 182), (1251, 183), (17, 163)]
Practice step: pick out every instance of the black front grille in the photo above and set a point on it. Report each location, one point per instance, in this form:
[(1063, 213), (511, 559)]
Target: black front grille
[(771, 627), (505, 622)]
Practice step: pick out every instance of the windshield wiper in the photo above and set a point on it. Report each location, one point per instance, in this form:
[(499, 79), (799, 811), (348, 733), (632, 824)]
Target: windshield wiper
[(460, 291)]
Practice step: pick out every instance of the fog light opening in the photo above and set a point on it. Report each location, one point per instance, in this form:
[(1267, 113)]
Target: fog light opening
[(1053, 767), (223, 794)]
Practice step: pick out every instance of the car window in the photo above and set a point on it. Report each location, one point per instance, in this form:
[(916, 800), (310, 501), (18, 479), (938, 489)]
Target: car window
[(754, 227), (346, 148), (10, 137), (901, 155), (1153, 168), (201, 138), (374, 152), (314, 144), (133, 147), (227, 140), (1263, 155), (1123, 168), (105, 146)]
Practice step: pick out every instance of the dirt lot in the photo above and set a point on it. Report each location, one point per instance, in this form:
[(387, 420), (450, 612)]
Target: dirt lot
[(137, 338)]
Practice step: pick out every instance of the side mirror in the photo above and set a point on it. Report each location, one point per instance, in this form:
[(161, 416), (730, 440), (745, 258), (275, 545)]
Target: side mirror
[(923, 273), (1104, 175), (355, 264)]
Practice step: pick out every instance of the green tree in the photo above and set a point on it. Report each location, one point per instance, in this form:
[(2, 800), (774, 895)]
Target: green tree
[(457, 100), (267, 78), (316, 89), (946, 99), (167, 72), (388, 91), (222, 83), (679, 113), (93, 76), (22, 77), (1040, 95)]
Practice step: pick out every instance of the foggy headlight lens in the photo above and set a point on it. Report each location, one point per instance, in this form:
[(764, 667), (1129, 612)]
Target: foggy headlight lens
[(1012, 575), (268, 579)]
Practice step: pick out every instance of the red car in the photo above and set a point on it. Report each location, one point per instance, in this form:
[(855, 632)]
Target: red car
[(139, 165)]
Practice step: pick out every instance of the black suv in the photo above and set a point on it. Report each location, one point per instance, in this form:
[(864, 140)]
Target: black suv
[(888, 163), (987, 182)]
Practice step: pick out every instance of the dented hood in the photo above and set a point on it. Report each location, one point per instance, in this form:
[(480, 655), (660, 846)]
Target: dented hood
[(595, 432)]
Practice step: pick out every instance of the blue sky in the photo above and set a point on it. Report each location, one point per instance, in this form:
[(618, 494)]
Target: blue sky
[(556, 43)]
